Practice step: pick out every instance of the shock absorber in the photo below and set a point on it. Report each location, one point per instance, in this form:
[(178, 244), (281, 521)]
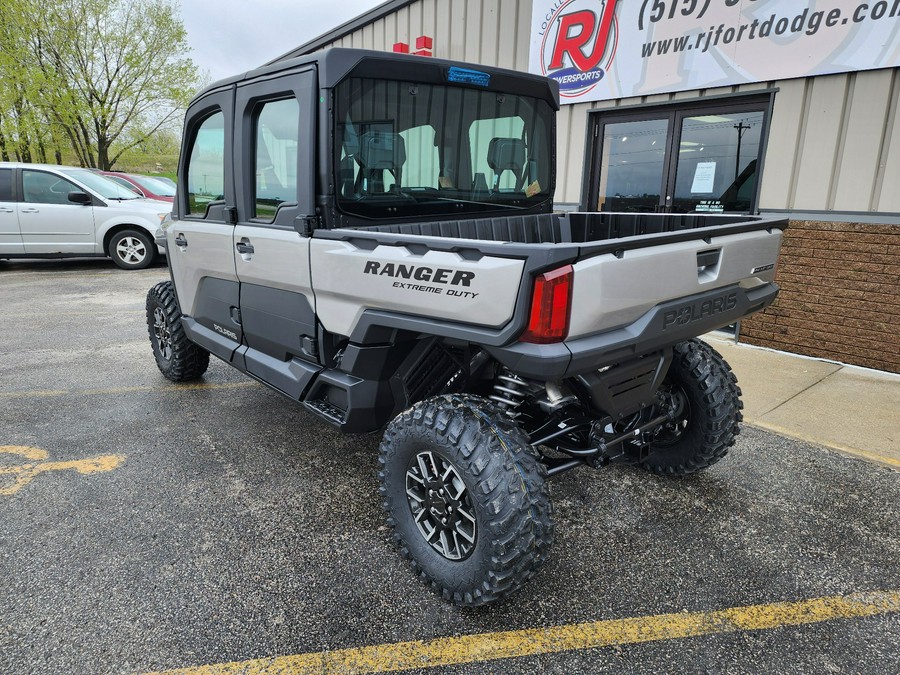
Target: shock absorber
[(509, 390)]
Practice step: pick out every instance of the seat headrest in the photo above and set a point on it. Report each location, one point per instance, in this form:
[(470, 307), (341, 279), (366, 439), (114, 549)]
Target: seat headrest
[(381, 150), (506, 153)]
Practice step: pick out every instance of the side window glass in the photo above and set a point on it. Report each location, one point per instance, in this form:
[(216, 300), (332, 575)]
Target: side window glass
[(206, 165), (277, 125), (39, 187), (6, 194)]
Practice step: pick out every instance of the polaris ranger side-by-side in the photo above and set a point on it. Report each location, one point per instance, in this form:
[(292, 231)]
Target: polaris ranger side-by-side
[(372, 235)]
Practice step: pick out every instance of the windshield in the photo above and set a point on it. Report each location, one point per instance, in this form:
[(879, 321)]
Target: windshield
[(407, 149), (154, 185), (103, 186)]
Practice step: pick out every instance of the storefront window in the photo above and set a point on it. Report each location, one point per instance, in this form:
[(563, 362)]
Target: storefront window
[(687, 159), (634, 156), (717, 160)]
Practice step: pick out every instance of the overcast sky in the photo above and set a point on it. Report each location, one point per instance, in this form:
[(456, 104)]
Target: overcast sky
[(233, 36)]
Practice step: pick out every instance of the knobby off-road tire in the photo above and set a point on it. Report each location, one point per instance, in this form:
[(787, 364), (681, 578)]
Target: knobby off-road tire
[(710, 420), (178, 358), (132, 249), (490, 473)]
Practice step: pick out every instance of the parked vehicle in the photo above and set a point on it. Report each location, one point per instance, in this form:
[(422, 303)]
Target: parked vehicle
[(144, 186), (49, 211), (406, 273)]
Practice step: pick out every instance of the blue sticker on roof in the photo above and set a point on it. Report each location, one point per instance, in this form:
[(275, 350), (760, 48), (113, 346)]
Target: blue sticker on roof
[(468, 76)]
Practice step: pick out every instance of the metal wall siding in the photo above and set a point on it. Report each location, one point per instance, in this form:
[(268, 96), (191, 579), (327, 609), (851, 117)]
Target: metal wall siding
[(784, 137), (489, 26), (523, 34), (415, 25), (886, 197), (473, 31), (429, 18), (506, 35), (834, 142), (826, 104), (865, 124), (457, 33), (572, 129)]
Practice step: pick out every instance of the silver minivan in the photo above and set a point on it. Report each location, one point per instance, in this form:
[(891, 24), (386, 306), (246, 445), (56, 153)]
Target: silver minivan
[(50, 211)]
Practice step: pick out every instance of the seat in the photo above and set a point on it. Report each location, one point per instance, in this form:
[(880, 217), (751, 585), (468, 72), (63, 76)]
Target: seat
[(507, 154), (379, 151)]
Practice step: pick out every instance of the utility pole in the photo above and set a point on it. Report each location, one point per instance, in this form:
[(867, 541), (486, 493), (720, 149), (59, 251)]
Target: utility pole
[(741, 128)]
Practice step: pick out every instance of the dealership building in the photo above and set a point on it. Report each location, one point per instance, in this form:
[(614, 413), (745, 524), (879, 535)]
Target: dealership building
[(775, 107)]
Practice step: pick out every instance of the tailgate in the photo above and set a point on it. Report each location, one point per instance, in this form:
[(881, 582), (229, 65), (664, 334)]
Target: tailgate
[(615, 289)]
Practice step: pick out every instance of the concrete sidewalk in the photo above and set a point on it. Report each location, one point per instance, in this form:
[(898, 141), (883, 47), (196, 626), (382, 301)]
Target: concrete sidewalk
[(855, 411)]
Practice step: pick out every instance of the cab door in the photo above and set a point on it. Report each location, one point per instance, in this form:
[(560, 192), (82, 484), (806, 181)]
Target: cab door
[(10, 238), (275, 135), (199, 242)]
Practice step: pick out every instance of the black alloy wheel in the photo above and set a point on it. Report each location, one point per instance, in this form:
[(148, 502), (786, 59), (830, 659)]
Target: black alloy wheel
[(441, 505)]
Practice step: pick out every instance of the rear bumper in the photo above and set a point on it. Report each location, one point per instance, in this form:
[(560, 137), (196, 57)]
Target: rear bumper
[(662, 326)]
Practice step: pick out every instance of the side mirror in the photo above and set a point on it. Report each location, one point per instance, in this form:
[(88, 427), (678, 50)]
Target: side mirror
[(80, 198)]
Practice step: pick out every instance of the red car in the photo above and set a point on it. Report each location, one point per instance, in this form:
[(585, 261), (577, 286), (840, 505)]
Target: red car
[(145, 186)]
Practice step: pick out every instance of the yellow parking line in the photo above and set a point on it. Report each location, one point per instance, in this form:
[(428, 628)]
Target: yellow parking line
[(48, 393), (513, 644)]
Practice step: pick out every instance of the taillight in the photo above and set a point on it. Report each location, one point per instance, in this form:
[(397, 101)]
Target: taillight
[(551, 305)]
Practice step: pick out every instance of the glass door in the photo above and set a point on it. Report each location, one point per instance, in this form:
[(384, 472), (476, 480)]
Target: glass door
[(632, 166), (685, 158), (717, 162)]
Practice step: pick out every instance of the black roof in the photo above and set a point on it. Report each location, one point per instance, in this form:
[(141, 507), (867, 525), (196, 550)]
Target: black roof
[(336, 63)]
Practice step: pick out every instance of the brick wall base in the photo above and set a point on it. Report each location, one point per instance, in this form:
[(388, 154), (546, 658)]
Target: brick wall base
[(840, 295)]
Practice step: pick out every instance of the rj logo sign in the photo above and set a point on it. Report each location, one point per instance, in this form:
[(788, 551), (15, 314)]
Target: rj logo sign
[(605, 49), (578, 43)]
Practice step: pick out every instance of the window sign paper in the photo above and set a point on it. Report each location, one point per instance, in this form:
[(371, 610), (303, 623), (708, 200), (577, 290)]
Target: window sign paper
[(704, 178)]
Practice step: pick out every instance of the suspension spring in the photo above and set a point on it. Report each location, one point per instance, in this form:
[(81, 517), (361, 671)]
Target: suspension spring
[(509, 390)]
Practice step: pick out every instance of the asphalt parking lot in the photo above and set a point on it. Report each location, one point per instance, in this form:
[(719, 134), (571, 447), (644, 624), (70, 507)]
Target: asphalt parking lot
[(148, 526)]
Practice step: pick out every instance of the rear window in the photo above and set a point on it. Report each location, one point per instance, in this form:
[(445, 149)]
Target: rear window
[(436, 151)]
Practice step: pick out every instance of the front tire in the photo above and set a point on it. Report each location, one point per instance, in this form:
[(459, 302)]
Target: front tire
[(179, 359), (466, 498), (709, 415), (132, 249)]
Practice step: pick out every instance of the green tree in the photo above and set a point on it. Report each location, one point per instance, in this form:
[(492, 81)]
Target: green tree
[(105, 74), (24, 133)]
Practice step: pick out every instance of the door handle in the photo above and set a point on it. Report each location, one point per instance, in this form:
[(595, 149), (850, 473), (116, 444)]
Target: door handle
[(32, 210), (244, 246), (181, 240), (7, 211)]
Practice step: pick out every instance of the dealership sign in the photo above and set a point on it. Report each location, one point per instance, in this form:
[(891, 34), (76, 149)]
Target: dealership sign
[(605, 49)]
